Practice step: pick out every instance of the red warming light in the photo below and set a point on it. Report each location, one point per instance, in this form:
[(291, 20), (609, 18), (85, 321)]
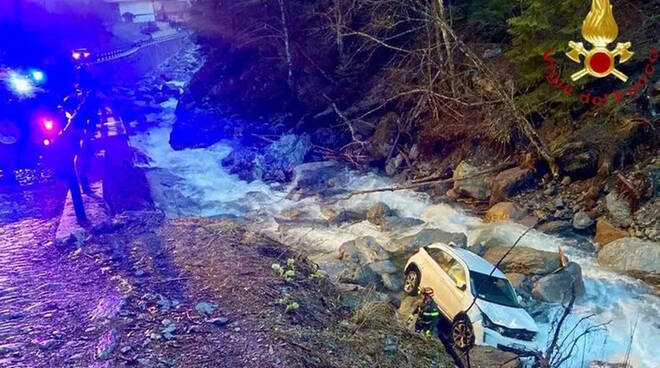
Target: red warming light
[(48, 124)]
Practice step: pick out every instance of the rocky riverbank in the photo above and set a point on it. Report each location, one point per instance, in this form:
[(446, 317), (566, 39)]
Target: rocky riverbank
[(615, 216), (284, 188)]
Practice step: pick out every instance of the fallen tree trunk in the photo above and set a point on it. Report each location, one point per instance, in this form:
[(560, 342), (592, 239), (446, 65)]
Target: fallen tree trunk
[(504, 166)]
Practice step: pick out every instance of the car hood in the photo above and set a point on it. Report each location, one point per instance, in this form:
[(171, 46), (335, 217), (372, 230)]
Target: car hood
[(509, 317)]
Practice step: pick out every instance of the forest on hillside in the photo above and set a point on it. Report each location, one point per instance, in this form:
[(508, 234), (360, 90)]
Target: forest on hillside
[(387, 82)]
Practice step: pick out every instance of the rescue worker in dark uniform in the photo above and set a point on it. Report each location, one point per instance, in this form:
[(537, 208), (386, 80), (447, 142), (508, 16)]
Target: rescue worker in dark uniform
[(85, 124), (68, 150), (428, 314)]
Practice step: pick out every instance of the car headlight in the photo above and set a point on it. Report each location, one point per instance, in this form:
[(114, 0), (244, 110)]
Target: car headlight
[(487, 323)]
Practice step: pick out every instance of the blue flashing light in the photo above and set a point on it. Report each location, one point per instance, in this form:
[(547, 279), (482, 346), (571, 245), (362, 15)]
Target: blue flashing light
[(37, 75), (20, 84)]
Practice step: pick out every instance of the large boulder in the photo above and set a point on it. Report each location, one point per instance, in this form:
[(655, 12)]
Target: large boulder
[(558, 227), (511, 182), (241, 162), (325, 178), (426, 237), (203, 130), (383, 275), (633, 256), (377, 213), (579, 160), (619, 208), (477, 188), (556, 287), (362, 251), (524, 260), (340, 216), (607, 233), (504, 211), (399, 224), (582, 221), (517, 280), (382, 140), (282, 156)]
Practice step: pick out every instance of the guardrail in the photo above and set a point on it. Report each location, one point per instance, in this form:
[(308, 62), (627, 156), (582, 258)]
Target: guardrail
[(130, 50)]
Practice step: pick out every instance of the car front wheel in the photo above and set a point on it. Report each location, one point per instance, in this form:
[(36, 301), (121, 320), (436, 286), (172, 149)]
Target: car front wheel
[(462, 335), (411, 282)]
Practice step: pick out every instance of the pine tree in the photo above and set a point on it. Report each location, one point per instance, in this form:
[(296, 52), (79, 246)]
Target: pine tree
[(543, 25)]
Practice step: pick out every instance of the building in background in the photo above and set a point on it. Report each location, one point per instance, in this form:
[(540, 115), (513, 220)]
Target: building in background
[(172, 10), (134, 11)]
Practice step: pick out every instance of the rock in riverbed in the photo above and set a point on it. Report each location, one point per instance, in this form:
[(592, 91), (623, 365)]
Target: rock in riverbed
[(510, 182), (582, 221), (607, 233), (556, 287), (505, 211), (477, 188), (633, 256), (524, 260)]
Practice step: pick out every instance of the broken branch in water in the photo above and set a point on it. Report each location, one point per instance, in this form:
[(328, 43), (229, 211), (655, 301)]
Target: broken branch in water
[(505, 165)]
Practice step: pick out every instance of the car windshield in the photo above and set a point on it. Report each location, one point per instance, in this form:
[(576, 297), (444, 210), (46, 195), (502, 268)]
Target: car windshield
[(493, 289)]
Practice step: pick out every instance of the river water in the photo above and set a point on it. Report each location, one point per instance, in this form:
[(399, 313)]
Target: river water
[(192, 182)]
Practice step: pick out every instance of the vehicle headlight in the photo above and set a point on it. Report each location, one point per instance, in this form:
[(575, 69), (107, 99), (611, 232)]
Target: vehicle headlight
[(487, 323)]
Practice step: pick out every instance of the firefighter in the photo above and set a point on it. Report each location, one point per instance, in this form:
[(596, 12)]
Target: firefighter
[(428, 314), (68, 148)]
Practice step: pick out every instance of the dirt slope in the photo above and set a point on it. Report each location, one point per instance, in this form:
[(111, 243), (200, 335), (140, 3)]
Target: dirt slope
[(203, 293)]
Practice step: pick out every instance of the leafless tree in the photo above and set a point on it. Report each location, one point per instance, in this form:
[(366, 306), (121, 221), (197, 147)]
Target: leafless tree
[(564, 344), (428, 63)]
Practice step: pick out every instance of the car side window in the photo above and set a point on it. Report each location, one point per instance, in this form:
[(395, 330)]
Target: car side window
[(456, 272), (441, 257), (448, 264)]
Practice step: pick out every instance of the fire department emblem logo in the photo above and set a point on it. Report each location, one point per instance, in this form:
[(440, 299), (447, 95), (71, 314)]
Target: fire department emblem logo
[(600, 29)]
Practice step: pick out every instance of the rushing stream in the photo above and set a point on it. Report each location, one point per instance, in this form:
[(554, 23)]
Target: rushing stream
[(192, 182)]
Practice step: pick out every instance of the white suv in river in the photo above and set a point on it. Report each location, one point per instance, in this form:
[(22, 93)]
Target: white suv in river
[(457, 277)]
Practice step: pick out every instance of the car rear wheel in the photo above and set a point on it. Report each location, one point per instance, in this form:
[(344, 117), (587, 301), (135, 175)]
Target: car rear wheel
[(411, 282), (462, 334)]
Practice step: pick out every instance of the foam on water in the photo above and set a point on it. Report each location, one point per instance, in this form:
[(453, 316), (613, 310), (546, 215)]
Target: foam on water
[(610, 297)]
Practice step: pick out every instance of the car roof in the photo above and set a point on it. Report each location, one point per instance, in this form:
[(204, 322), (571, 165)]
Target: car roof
[(472, 261)]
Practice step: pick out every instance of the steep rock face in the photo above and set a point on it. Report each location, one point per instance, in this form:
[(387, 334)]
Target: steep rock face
[(633, 256)]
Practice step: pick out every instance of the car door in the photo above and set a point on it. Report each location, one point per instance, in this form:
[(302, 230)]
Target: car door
[(456, 272), (438, 278)]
